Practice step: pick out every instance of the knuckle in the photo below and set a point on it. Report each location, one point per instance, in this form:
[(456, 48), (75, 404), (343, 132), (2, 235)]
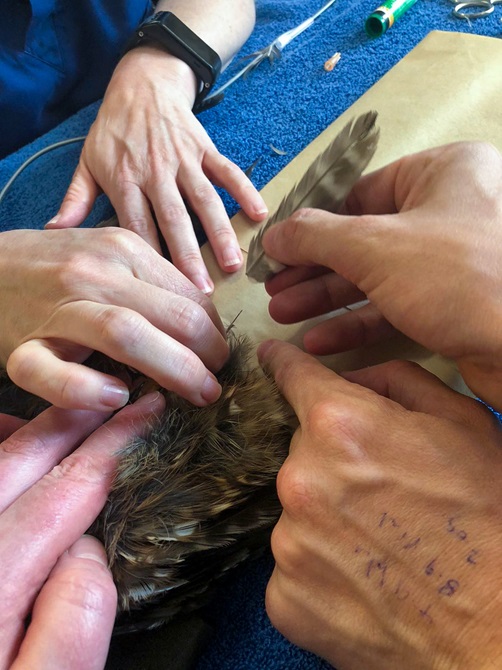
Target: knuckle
[(362, 323), (91, 592), (175, 215), (204, 195), (338, 430), (295, 489), (190, 321), (189, 261), (286, 553), (296, 223), (26, 444), (326, 418), (22, 367), (140, 225), (126, 177), (77, 469), (189, 370), (223, 234), (68, 390), (278, 612), (230, 172), (117, 240), (297, 219), (73, 194), (120, 326), (475, 147)]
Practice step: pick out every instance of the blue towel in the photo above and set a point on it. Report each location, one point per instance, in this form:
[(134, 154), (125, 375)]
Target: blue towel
[(285, 104)]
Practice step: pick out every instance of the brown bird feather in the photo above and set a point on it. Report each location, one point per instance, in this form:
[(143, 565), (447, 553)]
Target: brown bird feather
[(325, 185), (193, 498)]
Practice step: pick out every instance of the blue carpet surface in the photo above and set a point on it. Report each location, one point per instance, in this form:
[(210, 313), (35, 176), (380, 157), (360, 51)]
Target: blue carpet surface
[(285, 104)]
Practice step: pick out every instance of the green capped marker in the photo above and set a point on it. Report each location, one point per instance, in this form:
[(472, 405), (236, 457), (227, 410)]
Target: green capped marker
[(379, 21)]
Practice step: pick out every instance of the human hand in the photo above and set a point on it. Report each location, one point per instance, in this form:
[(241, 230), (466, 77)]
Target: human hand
[(422, 242), (147, 151), (50, 493), (68, 292), (388, 549)]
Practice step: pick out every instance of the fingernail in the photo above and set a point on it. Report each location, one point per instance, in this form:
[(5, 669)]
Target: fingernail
[(114, 396), (211, 390), (53, 221), (89, 547), (231, 256), (261, 211), (203, 284)]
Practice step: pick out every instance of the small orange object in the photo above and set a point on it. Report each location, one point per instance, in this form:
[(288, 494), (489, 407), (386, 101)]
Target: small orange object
[(331, 62)]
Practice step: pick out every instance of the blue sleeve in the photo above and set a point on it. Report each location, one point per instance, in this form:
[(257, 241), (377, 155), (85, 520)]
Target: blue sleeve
[(56, 59)]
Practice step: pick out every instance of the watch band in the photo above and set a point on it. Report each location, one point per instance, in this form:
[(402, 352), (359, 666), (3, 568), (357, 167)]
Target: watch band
[(166, 30)]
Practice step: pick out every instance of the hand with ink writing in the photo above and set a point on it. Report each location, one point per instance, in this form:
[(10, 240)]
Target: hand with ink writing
[(58, 599), (388, 549), (421, 240)]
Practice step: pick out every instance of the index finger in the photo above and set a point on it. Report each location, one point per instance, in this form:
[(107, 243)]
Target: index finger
[(300, 377), (143, 263), (407, 182)]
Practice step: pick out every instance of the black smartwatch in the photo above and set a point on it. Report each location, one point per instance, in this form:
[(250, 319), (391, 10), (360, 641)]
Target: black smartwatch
[(164, 29)]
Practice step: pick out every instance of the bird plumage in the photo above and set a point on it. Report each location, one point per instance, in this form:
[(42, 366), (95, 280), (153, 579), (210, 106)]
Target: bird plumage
[(193, 498)]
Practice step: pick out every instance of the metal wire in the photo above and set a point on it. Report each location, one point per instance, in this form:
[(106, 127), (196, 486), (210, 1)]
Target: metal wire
[(36, 155)]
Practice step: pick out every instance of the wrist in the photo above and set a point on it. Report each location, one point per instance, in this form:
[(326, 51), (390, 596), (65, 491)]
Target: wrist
[(164, 30), (151, 63)]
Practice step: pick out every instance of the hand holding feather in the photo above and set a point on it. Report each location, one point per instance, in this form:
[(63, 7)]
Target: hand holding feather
[(325, 185)]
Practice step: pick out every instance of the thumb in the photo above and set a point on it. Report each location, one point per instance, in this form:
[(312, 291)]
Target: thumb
[(352, 246), (74, 614), (78, 201)]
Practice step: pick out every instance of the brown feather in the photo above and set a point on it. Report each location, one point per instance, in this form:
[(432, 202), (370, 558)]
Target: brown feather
[(325, 185), (196, 496)]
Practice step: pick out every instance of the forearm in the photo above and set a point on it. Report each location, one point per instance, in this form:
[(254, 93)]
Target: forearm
[(224, 24)]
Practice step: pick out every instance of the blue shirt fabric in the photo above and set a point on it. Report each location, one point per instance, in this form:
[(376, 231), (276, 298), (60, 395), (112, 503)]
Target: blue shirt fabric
[(57, 56)]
